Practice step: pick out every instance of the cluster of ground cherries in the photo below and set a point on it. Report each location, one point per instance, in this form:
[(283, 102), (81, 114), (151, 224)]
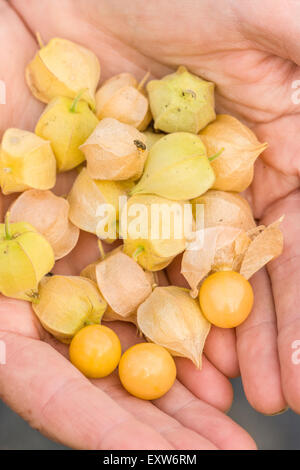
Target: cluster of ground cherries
[(156, 145)]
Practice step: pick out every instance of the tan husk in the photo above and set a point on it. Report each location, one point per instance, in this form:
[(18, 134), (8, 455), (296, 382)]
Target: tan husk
[(152, 137), (115, 151), (110, 315), (48, 213), (122, 282), (234, 167), (63, 68), (68, 303), (231, 248), (120, 98), (267, 245), (172, 319), (26, 161), (154, 252), (87, 195)]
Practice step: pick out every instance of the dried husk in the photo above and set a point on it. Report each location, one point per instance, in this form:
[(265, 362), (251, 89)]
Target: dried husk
[(177, 168), (155, 253), (265, 246), (110, 315), (48, 213), (24, 259), (68, 303), (115, 151), (234, 167), (87, 195), (63, 68), (231, 248), (66, 130), (172, 319), (181, 102), (26, 161), (120, 98), (122, 282)]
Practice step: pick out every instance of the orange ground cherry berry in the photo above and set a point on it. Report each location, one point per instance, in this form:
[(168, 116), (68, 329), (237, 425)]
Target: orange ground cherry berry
[(96, 351), (226, 299), (147, 371)]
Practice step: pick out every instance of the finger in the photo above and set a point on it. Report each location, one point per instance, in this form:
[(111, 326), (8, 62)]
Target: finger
[(220, 347), (257, 351), (285, 277), (46, 390)]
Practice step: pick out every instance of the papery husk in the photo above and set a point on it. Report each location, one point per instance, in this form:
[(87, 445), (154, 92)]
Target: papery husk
[(181, 102), (66, 130), (26, 161), (172, 319), (266, 245), (155, 253), (222, 248), (110, 315), (48, 213), (120, 98), (115, 151), (87, 195), (63, 68), (229, 248), (234, 166), (68, 303), (225, 208), (122, 282), (152, 138), (177, 168), (24, 259)]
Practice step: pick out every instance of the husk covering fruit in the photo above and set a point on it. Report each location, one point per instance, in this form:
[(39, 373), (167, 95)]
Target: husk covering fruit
[(48, 213), (234, 167), (26, 161), (172, 319), (63, 68), (177, 168), (115, 151), (86, 197), (120, 98), (68, 303), (25, 257), (66, 129), (153, 251), (181, 102)]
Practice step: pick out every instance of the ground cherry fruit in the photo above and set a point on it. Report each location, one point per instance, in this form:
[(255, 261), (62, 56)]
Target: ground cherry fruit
[(96, 351), (226, 299), (147, 371)]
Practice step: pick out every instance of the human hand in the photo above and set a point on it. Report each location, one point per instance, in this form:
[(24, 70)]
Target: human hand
[(38, 381)]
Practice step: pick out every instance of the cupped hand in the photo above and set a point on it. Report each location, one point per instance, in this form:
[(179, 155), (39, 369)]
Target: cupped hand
[(38, 381)]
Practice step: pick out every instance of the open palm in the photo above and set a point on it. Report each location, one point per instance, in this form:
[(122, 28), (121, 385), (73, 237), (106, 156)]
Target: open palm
[(251, 79)]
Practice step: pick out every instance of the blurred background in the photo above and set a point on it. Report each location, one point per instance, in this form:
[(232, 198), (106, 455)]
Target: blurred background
[(269, 432)]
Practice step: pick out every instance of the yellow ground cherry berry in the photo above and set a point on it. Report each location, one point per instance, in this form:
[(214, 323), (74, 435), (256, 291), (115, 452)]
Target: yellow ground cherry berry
[(147, 371), (95, 350), (226, 299)]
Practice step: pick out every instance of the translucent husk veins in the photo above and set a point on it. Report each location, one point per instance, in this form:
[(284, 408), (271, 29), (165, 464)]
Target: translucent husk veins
[(171, 318), (234, 167), (115, 151), (48, 213), (230, 240)]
